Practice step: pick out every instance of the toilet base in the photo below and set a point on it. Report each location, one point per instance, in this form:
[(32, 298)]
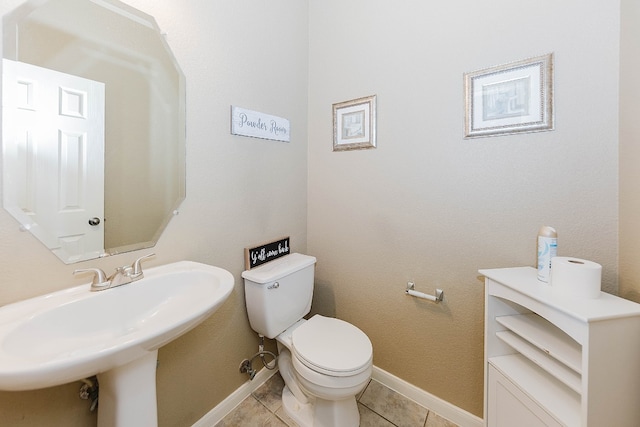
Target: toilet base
[(320, 412), (301, 413)]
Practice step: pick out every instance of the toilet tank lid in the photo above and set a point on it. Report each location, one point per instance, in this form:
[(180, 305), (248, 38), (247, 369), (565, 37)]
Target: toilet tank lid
[(278, 268)]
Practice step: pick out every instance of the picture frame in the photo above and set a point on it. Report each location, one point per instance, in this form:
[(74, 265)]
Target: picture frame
[(354, 124), (510, 98)]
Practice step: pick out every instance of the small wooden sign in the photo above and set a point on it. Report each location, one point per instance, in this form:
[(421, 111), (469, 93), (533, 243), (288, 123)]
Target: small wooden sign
[(262, 254), (259, 125)]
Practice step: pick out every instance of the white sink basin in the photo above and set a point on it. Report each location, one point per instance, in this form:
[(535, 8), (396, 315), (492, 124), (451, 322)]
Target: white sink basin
[(74, 334)]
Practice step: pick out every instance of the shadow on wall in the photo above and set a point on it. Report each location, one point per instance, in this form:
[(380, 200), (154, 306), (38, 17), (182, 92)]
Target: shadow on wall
[(324, 300), (632, 295)]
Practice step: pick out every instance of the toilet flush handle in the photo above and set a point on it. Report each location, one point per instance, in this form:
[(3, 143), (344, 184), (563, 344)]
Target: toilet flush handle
[(276, 285)]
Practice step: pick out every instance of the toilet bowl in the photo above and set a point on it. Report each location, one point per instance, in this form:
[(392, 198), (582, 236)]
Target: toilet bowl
[(325, 363)]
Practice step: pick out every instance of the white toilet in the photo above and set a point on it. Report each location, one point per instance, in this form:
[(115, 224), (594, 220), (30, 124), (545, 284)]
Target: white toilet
[(324, 361)]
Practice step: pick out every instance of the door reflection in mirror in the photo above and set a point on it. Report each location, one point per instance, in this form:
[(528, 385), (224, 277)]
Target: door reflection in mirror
[(53, 152)]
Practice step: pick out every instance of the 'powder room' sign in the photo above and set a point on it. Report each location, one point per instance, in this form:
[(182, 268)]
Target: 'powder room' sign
[(259, 125), (262, 254)]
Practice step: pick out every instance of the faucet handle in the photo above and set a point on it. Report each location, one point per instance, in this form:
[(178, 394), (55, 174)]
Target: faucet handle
[(137, 267), (99, 277)]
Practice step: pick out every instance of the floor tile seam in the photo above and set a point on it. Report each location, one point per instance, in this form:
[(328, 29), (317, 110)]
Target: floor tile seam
[(264, 405), (285, 422), (428, 411), (274, 412), (426, 419), (361, 394), (380, 415)]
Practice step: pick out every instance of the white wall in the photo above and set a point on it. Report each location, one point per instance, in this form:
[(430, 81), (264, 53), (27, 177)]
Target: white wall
[(240, 192), (428, 205)]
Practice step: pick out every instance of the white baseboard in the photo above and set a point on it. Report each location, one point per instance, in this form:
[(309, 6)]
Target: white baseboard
[(428, 400), (421, 397)]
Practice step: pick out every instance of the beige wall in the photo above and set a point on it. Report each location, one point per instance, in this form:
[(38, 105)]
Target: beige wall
[(240, 192), (629, 151), (432, 207)]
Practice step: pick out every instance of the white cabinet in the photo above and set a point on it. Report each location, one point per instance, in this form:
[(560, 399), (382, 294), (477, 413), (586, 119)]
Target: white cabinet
[(552, 360)]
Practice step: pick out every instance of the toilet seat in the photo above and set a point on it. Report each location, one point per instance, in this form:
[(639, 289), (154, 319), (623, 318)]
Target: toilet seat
[(332, 346)]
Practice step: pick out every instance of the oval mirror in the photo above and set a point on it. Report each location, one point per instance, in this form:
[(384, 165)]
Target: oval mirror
[(93, 126)]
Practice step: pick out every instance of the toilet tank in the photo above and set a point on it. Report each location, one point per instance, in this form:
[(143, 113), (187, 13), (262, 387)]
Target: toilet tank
[(279, 293)]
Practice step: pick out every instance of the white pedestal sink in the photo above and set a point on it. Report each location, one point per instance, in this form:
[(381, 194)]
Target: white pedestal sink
[(73, 334)]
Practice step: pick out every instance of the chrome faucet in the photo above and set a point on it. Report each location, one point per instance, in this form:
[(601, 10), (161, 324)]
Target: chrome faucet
[(122, 275)]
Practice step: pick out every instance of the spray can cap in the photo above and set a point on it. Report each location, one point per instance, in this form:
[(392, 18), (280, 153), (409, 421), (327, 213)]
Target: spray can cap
[(547, 231)]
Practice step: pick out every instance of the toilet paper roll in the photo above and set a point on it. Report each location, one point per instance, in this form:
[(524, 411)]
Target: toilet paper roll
[(576, 277)]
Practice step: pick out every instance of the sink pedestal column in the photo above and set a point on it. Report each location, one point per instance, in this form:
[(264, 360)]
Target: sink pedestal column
[(128, 394)]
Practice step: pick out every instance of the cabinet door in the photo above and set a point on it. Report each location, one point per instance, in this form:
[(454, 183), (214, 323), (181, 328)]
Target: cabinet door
[(508, 406)]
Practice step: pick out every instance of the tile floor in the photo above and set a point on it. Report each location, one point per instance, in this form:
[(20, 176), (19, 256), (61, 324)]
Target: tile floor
[(379, 407)]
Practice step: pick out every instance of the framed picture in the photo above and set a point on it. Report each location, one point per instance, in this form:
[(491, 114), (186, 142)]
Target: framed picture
[(510, 98), (354, 124)]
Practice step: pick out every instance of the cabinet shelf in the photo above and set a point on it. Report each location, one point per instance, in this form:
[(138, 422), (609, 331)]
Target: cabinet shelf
[(546, 337), (558, 370)]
